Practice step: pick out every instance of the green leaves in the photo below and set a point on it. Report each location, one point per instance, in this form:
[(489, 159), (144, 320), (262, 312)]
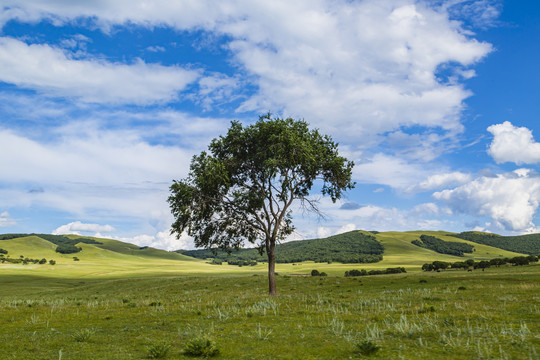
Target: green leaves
[(242, 188)]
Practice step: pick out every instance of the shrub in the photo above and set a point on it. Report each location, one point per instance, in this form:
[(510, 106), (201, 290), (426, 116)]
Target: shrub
[(201, 346), (43, 261), (83, 335), (52, 262), (366, 348), (315, 273), (75, 258), (355, 272), (158, 350)]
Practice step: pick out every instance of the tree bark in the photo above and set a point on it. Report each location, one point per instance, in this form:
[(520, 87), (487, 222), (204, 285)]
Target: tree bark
[(270, 250)]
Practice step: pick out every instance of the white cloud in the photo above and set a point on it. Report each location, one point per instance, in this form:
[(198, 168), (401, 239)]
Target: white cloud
[(77, 227), (90, 155), (52, 72), (440, 180), (513, 144), (426, 209), (97, 174), (6, 220), (353, 69), (161, 240), (511, 199), (389, 170), (481, 13), (358, 68)]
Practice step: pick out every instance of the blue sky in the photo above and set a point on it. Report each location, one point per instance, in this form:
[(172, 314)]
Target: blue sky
[(103, 104)]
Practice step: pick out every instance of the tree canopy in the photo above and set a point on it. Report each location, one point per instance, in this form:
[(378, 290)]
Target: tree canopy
[(242, 188)]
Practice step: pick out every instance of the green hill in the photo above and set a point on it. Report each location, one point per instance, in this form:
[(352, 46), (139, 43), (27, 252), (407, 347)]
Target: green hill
[(98, 257), (392, 248), (525, 244), (351, 247)]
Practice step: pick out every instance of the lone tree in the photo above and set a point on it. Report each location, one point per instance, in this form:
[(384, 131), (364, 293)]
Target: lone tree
[(242, 189)]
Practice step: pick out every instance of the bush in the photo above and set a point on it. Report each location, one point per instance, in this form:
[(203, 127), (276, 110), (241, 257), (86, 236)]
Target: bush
[(355, 272), (43, 261), (366, 348), (83, 335), (158, 350), (201, 346), (314, 272), (519, 260), (52, 262)]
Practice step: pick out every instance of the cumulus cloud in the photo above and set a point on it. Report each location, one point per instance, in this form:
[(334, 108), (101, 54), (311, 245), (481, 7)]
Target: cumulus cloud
[(77, 227), (440, 180), (389, 170), (510, 199), (363, 67), (513, 144), (350, 68), (49, 70), (161, 240)]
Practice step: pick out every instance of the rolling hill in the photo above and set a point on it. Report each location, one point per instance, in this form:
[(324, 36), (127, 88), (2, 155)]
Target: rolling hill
[(100, 257), (355, 246)]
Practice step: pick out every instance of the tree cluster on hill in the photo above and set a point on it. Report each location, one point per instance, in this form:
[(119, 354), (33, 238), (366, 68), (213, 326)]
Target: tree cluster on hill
[(352, 247), (483, 264), (443, 247), (525, 244), (364, 272), (317, 273), (25, 260), (64, 244)]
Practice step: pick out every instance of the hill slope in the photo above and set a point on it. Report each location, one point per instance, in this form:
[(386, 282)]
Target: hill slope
[(351, 247), (360, 247), (113, 258), (526, 244)]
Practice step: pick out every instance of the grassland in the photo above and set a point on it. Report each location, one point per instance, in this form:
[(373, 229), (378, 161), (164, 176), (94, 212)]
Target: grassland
[(449, 315), (120, 302)]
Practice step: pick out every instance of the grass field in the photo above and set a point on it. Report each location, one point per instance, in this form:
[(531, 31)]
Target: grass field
[(449, 315), (120, 301)]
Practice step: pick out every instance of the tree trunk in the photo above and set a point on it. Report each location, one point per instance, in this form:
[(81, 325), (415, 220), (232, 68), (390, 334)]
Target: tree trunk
[(270, 250)]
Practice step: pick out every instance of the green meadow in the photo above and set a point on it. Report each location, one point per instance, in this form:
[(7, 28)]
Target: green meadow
[(123, 302)]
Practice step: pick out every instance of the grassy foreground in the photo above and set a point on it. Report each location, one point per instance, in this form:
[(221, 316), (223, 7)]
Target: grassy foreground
[(449, 315)]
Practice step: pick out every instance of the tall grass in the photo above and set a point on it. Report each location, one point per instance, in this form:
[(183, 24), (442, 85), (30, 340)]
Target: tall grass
[(494, 316)]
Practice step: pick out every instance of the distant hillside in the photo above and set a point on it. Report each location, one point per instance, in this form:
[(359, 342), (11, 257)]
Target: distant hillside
[(72, 245), (351, 247), (524, 244)]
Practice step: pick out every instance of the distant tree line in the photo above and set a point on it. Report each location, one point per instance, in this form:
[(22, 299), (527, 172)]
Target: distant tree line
[(25, 260), (364, 272), (483, 264), (352, 247), (443, 247), (524, 244), (64, 245)]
